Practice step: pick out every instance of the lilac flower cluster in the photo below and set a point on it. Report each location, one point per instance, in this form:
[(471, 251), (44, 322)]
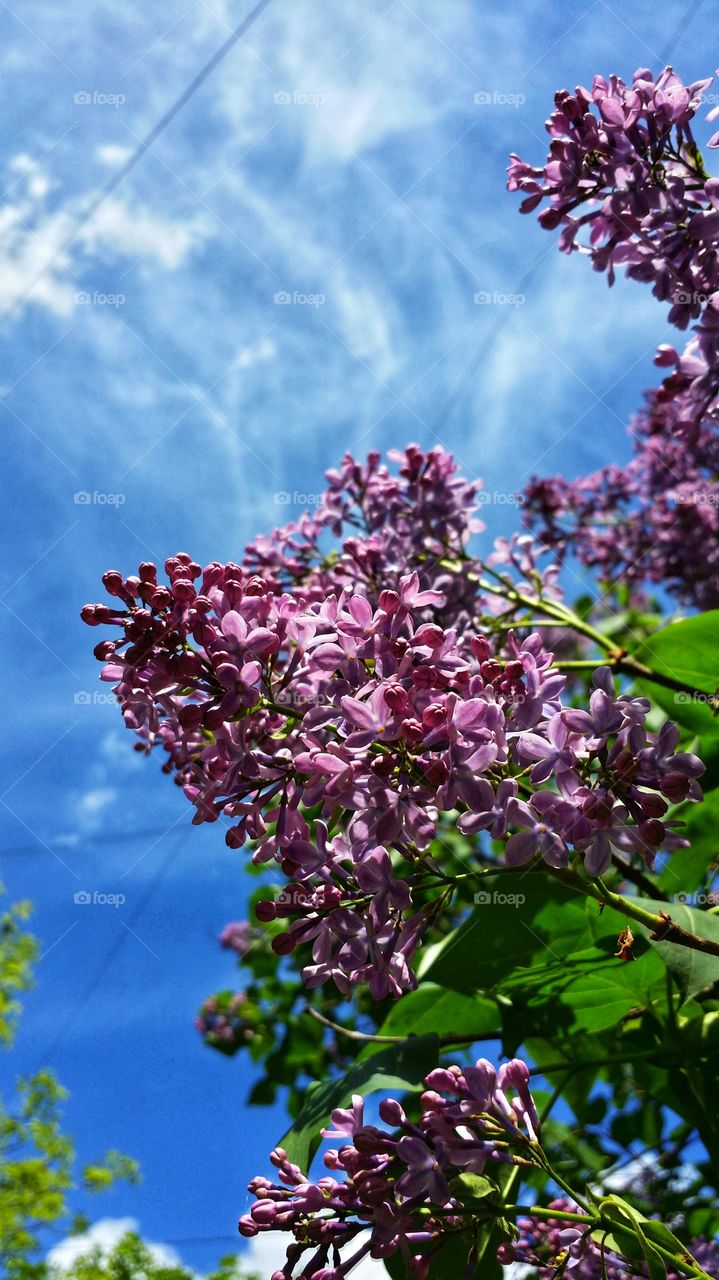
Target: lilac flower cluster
[(221, 1022), (656, 520), (238, 936), (334, 732), (555, 1245), (399, 1191), (626, 183), (417, 520)]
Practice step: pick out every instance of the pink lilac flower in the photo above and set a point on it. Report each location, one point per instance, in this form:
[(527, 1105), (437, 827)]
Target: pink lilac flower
[(552, 1243), (222, 1024), (238, 936), (625, 182), (335, 727), (657, 519), (392, 1179)]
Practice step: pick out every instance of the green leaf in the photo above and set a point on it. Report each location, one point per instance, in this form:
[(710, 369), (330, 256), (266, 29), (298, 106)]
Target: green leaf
[(693, 970), (616, 1210), (601, 999), (686, 869), (471, 1188), (397, 1067), (433, 1008), (687, 651), (512, 928)]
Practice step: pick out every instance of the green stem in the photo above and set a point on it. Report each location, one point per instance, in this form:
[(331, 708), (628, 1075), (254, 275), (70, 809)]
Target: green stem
[(662, 928), (617, 658), (537, 1211), (557, 1177), (679, 1264)]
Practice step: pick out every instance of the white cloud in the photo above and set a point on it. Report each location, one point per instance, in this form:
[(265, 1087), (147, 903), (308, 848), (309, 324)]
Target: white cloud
[(92, 804), (130, 229), (365, 322), (267, 1251), (112, 154), (104, 1234), (34, 230)]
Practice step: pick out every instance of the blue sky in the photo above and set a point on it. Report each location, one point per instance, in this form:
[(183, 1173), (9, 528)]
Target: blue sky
[(353, 158)]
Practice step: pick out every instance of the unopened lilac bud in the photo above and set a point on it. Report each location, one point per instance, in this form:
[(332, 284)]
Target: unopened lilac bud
[(183, 589), (389, 601), (675, 786), (651, 804), (445, 1078), (284, 944), (652, 833), (393, 1113), (113, 582), (264, 1212)]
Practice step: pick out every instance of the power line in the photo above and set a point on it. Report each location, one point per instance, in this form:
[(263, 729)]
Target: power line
[(689, 16), (473, 364), (104, 837), (113, 183)]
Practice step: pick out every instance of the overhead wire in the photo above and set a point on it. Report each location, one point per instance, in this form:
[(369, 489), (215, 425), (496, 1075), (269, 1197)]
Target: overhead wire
[(142, 147)]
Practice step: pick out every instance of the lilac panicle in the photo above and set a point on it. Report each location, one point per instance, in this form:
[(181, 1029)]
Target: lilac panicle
[(395, 1188), (367, 696)]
